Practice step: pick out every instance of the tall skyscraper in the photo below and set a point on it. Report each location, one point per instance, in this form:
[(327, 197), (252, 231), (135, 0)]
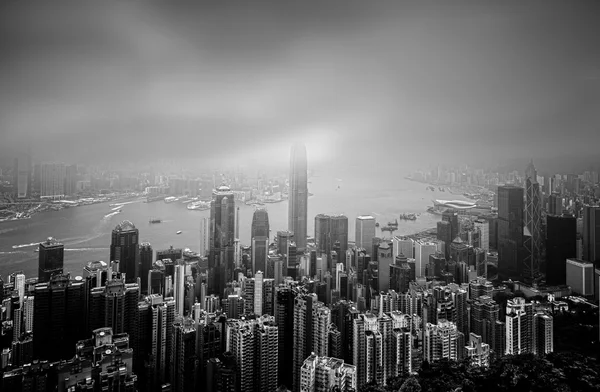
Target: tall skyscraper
[(204, 236), (365, 231), (484, 228), (591, 233), (146, 255), (533, 221), (423, 250), (260, 239), (53, 180), (222, 238), (57, 321), (184, 364), (510, 231), (561, 244), (329, 230), (555, 204), (179, 288), (298, 195), (22, 181), (51, 258), (124, 248)]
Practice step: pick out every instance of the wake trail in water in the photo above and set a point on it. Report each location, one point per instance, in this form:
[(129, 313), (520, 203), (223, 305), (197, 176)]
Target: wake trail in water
[(84, 249), (25, 245)]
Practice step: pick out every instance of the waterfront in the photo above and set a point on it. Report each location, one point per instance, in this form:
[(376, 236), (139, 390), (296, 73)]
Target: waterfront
[(85, 230)]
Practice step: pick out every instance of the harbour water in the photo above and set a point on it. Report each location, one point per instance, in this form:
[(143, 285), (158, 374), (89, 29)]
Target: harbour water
[(85, 231)]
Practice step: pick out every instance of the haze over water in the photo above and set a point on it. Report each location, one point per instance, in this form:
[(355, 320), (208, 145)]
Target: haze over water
[(85, 230)]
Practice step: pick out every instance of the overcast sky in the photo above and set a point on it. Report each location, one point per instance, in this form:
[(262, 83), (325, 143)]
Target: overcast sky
[(392, 80)]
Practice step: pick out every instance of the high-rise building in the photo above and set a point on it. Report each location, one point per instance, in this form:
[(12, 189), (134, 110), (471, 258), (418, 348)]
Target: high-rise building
[(51, 258), (222, 238), (204, 236), (260, 239), (53, 180), (580, 276), (57, 317), (555, 204), (451, 216), (365, 231), (510, 231), (298, 195), (330, 230), (324, 374), (484, 315), (384, 261), (423, 250), (284, 317), (146, 256), (591, 233), (442, 340), (477, 351), (561, 244), (403, 246), (22, 181), (172, 254), (484, 228), (543, 334), (532, 223), (124, 248), (519, 327), (179, 288), (113, 305), (184, 363), (71, 180)]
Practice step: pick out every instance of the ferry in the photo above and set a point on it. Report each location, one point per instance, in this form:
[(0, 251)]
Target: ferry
[(178, 232), (411, 217), (170, 199), (393, 224), (155, 220)]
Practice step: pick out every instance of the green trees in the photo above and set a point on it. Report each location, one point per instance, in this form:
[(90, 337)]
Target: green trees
[(561, 372)]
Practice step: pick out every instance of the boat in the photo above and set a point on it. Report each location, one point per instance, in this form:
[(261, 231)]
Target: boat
[(377, 224), (389, 228), (150, 199), (178, 232), (170, 199), (155, 220), (393, 224), (411, 217)]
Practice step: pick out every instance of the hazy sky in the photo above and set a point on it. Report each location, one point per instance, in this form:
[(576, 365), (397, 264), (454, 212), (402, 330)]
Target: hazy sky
[(390, 81)]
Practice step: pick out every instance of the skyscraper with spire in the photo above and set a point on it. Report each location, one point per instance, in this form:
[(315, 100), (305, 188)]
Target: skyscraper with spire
[(298, 195), (222, 239), (260, 240), (533, 219)]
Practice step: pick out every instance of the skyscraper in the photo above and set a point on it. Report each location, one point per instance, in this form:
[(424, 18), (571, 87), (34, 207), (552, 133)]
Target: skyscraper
[(591, 233), (561, 239), (222, 238), (53, 180), (124, 248), (510, 231), (51, 257), (204, 236), (260, 239), (442, 340), (146, 255), (329, 230), (298, 195), (519, 327), (22, 176), (179, 288), (365, 231), (543, 334), (484, 228), (184, 364), (533, 221)]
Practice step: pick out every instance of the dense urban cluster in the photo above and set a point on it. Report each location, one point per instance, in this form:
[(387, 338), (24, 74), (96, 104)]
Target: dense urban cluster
[(322, 313)]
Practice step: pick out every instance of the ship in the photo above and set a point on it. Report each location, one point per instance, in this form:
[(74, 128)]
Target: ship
[(198, 206), (178, 232), (389, 228), (150, 199), (393, 224), (410, 217), (155, 220)]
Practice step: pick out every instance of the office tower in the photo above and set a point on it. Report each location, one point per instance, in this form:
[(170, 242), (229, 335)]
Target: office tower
[(172, 254), (423, 250), (310, 322), (57, 317), (384, 261), (22, 176), (285, 239), (591, 233), (477, 351), (204, 236), (114, 305), (324, 374), (442, 340), (179, 288), (284, 317), (155, 323), (543, 334), (298, 195), (124, 248), (532, 222), (519, 327), (222, 232), (52, 180), (444, 234), (329, 230), (451, 216), (484, 228), (260, 240), (156, 278), (510, 231), (183, 356), (561, 237), (484, 316), (403, 246), (146, 255), (555, 206), (28, 312), (365, 231), (580, 276), (51, 259)]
